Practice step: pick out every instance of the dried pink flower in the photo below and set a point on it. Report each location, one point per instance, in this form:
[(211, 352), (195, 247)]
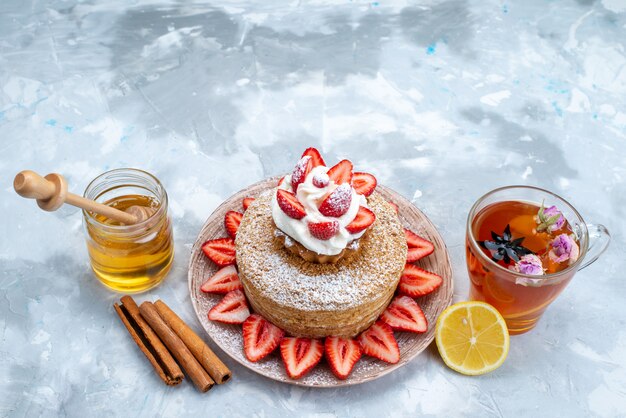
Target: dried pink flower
[(529, 264), (564, 247), (553, 211), (549, 219)]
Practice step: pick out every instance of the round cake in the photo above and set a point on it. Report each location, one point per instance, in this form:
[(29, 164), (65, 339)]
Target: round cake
[(314, 300)]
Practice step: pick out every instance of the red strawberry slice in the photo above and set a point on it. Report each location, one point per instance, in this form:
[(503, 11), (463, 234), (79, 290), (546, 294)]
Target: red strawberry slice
[(418, 282), (260, 337), (418, 246), (364, 218), (415, 241), (364, 183), (289, 204), (224, 281), (300, 355), (415, 254), (404, 314), (342, 354), (315, 155), (394, 206), (341, 172), (378, 341), (302, 169), (338, 202), (221, 251), (280, 180), (246, 202), (232, 220), (232, 309), (324, 230)]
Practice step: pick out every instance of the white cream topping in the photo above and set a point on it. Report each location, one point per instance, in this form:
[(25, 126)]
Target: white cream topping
[(311, 197)]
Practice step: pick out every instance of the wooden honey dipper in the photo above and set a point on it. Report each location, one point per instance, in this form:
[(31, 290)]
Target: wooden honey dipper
[(51, 193)]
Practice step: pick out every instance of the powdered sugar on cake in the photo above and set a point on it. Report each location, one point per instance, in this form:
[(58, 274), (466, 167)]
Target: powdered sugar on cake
[(332, 290), (309, 194)]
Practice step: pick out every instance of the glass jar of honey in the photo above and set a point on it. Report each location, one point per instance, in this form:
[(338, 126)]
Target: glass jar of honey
[(129, 258)]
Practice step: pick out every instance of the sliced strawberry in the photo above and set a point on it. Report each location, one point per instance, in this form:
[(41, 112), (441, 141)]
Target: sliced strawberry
[(300, 355), (280, 180), (232, 309), (364, 218), (246, 202), (341, 172), (260, 337), (232, 220), (315, 155), (415, 241), (378, 341), (364, 183), (418, 246), (323, 230), (320, 180), (338, 202), (221, 251), (415, 254), (404, 314), (342, 354), (302, 169), (418, 282), (394, 206), (225, 280), (289, 204)]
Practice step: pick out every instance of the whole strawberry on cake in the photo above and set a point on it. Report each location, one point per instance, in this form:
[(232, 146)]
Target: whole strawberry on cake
[(318, 261)]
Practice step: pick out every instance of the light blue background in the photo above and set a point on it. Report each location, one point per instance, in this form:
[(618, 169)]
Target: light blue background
[(442, 101)]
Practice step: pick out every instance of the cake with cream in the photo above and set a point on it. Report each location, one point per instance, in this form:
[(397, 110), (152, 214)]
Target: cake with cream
[(315, 257)]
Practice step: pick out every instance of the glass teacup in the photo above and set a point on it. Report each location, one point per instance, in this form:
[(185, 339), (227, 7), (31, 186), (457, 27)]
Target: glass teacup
[(495, 260)]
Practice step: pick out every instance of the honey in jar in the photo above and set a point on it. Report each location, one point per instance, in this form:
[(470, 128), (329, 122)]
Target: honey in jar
[(129, 258)]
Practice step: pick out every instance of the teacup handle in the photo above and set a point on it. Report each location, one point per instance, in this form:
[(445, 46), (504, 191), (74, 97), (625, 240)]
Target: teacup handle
[(599, 239)]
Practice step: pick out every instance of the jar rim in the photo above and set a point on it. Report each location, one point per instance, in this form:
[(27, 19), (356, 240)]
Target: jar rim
[(158, 190)]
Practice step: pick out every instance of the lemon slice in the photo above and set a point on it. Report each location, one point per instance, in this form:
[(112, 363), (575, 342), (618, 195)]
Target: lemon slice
[(472, 337)]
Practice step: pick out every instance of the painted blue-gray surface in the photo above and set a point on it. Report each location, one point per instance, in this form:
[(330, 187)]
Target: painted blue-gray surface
[(442, 101)]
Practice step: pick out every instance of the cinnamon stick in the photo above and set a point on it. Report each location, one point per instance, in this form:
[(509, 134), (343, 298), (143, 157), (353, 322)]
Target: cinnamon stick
[(148, 342), (207, 358), (180, 351)]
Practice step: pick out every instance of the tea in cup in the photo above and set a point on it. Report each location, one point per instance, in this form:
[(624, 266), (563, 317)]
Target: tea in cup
[(523, 246)]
